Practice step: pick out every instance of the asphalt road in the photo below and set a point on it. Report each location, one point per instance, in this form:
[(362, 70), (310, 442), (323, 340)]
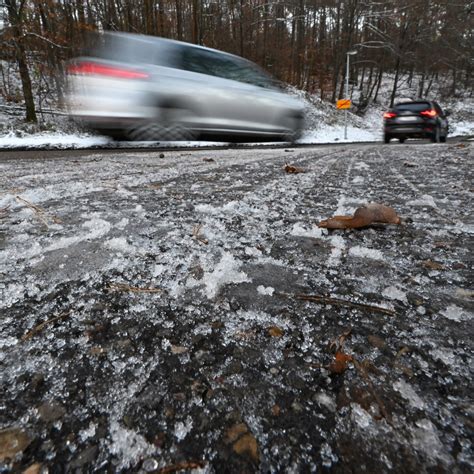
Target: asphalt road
[(173, 310)]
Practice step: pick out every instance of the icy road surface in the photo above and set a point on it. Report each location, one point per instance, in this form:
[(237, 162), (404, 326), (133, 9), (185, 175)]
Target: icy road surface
[(155, 312)]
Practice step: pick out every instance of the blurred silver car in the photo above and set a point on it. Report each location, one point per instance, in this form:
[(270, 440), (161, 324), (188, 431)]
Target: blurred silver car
[(147, 88)]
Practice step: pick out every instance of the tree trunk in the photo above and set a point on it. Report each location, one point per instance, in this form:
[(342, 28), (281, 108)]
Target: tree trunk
[(14, 17)]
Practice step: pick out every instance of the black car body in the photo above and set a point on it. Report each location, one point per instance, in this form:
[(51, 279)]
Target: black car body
[(416, 119)]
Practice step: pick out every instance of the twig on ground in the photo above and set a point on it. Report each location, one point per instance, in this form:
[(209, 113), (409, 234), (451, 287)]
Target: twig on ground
[(197, 234), (39, 212), (4, 212), (42, 325), (338, 302), (133, 289)]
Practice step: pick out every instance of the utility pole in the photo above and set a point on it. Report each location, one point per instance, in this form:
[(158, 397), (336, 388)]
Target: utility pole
[(349, 53)]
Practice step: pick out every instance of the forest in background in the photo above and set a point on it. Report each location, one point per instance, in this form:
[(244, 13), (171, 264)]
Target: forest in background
[(301, 42)]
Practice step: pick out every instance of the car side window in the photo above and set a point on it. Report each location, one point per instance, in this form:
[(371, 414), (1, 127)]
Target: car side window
[(221, 65)]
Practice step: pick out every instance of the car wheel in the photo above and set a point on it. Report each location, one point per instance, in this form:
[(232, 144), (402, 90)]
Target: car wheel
[(435, 137), (402, 140), (443, 139), (386, 138), (167, 126), (294, 125)]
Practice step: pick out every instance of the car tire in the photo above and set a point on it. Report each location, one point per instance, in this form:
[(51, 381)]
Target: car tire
[(443, 139), (295, 129), (165, 127), (386, 138), (436, 136), (402, 140)]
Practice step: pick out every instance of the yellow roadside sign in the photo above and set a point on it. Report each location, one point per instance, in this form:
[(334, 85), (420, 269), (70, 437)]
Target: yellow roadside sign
[(343, 104)]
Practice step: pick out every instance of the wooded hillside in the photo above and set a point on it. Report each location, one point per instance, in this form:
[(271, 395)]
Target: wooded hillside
[(302, 42)]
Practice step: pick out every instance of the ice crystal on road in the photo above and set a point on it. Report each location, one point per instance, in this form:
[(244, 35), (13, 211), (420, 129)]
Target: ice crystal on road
[(179, 309)]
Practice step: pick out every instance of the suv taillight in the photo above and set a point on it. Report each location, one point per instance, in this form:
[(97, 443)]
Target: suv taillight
[(95, 69), (389, 115), (429, 113)]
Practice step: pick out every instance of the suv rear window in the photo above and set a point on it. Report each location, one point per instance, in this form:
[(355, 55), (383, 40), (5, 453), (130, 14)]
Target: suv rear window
[(413, 106)]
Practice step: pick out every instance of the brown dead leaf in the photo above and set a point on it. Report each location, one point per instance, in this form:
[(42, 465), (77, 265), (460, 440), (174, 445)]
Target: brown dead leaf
[(293, 169), (339, 364), (209, 160), (12, 442), (276, 410), (432, 265), (275, 331), (33, 469), (363, 217), (247, 445)]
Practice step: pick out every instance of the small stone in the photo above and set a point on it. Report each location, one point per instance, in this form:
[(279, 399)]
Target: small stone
[(150, 465), (162, 155), (276, 410), (51, 411), (376, 341), (274, 371), (12, 442), (178, 349)]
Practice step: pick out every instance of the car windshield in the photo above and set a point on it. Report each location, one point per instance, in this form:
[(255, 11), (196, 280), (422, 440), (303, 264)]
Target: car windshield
[(413, 106)]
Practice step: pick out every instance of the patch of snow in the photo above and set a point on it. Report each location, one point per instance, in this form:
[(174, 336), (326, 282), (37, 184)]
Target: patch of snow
[(393, 293), (226, 271), (181, 429), (265, 290), (338, 246), (425, 438), (455, 313), (360, 417), (408, 392), (425, 200), (120, 244), (444, 355), (128, 445), (364, 252), (300, 230)]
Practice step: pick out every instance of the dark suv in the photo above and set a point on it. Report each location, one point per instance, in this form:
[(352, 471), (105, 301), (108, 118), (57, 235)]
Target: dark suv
[(416, 119)]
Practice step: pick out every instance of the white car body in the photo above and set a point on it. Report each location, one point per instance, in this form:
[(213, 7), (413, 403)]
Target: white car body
[(144, 87)]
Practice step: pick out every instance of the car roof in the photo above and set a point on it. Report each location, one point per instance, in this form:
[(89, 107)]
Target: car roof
[(168, 42)]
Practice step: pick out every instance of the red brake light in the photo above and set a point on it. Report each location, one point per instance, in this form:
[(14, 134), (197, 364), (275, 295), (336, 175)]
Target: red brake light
[(429, 113), (104, 70), (388, 115)]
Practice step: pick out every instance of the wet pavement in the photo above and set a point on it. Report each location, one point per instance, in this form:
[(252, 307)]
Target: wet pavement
[(181, 310)]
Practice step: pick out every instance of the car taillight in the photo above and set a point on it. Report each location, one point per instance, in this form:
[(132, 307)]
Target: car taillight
[(94, 69), (389, 115), (429, 113)]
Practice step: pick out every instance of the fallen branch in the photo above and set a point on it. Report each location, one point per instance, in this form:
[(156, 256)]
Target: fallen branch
[(339, 302), (39, 212), (41, 326), (133, 289), (4, 212), (197, 234)]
